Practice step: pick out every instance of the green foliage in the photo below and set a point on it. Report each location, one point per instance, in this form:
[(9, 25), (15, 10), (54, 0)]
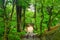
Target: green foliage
[(9, 8), (23, 3), (1, 2), (29, 16), (1, 11)]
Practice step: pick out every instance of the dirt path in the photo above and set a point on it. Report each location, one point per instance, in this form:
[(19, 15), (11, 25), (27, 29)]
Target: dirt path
[(54, 36)]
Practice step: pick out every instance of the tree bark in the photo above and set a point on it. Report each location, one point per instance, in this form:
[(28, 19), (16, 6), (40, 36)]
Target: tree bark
[(50, 17), (49, 23), (5, 18), (18, 12), (35, 15), (24, 18), (42, 18)]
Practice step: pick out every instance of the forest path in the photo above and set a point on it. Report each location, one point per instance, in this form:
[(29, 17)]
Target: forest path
[(54, 36)]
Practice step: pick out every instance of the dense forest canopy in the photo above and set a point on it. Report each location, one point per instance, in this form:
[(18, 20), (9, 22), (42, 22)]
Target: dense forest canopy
[(15, 14)]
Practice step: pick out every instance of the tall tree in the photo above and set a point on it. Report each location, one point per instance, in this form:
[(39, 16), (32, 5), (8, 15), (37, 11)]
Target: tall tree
[(49, 9), (35, 14), (5, 21), (50, 15), (18, 12), (42, 18), (24, 18)]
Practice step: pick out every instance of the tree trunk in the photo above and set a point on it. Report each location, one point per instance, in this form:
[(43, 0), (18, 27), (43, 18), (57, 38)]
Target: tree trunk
[(42, 18), (5, 18), (6, 32), (12, 10), (24, 18), (49, 23), (35, 15), (18, 12), (50, 17)]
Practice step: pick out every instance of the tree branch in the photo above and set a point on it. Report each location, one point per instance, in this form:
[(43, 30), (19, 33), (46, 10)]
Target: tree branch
[(55, 15), (26, 2)]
